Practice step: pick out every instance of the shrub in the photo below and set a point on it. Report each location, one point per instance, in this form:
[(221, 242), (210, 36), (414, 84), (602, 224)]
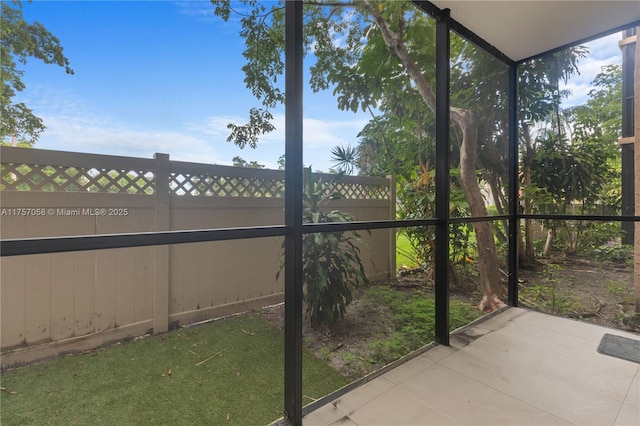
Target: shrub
[(617, 253), (332, 268)]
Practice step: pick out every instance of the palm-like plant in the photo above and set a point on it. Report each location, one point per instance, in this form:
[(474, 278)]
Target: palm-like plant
[(345, 158), (332, 268)]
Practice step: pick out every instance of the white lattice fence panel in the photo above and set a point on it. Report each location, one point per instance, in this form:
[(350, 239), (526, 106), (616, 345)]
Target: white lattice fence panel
[(358, 191), (224, 186), (32, 177)]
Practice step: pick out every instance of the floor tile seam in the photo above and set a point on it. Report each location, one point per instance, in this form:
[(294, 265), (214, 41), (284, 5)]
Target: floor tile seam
[(348, 414), (596, 331), (496, 323), (487, 326), (542, 326), (534, 324), (559, 353), (529, 404), (584, 324), (444, 413), (620, 411), (567, 353), (630, 389), (360, 407), (400, 382), (335, 405), (596, 393), (454, 350), (489, 330), (428, 404), (345, 417)]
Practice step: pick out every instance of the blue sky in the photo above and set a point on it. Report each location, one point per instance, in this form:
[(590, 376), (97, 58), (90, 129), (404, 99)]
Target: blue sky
[(160, 76), (164, 76)]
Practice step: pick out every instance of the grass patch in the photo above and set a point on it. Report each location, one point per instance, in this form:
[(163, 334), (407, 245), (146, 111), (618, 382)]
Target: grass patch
[(413, 320), (228, 372), (405, 254)]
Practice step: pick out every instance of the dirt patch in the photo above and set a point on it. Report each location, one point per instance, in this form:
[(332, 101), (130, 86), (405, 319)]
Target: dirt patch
[(600, 293), (597, 292), (364, 340), (345, 345)]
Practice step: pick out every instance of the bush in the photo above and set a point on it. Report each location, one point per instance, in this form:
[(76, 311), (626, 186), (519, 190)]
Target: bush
[(617, 253), (332, 268)]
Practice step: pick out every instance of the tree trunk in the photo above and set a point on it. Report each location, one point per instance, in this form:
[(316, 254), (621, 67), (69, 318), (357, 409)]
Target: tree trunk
[(499, 201), (548, 245), (468, 123), (487, 256), (528, 234), (526, 171)]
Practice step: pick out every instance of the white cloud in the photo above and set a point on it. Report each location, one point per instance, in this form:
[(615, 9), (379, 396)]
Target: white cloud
[(602, 52), (316, 132), (201, 10), (320, 135), (329, 133), (73, 126), (82, 135), (215, 126)]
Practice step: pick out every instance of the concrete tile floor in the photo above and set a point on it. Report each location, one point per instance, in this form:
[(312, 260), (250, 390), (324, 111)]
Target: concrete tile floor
[(517, 368)]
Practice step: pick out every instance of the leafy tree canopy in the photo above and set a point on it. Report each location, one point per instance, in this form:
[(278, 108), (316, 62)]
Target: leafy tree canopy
[(379, 57), (20, 41), (576, 165), (241, 162)]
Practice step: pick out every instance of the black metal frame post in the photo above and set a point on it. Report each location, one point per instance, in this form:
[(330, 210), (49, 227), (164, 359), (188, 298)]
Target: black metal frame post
[(443, 121), (514, 221), (293, 213)]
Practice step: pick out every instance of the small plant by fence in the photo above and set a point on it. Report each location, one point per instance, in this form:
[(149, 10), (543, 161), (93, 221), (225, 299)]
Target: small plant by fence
[(53, 303)]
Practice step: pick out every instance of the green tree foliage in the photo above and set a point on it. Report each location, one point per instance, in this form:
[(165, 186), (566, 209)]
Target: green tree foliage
[(539, 102), (576, 159), (377, 57), (241, 162), (19, 41), (597, 126)]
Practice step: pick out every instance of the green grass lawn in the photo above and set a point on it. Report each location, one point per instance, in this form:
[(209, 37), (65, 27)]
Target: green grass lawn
[(405, 255), (229, 372)]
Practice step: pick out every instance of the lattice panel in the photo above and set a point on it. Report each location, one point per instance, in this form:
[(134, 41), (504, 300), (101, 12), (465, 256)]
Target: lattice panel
[(30, 177), (224, 186), (358, 191)]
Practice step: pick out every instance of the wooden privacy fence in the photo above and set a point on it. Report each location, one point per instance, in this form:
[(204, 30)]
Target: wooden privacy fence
[(58, 303)]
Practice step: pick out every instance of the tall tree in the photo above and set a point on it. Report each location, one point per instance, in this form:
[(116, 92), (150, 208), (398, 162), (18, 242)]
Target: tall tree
[(576, 157), (374, 55), (19, 41), (598, 124), (539, 100)]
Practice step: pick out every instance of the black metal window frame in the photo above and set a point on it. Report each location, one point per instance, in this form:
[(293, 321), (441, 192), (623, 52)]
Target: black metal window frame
[(293, 228)]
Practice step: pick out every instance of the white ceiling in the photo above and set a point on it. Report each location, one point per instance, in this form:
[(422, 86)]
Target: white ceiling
[(523, 28)]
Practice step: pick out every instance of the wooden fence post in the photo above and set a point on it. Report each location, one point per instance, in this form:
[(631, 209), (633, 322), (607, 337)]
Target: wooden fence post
[(162, 223)]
